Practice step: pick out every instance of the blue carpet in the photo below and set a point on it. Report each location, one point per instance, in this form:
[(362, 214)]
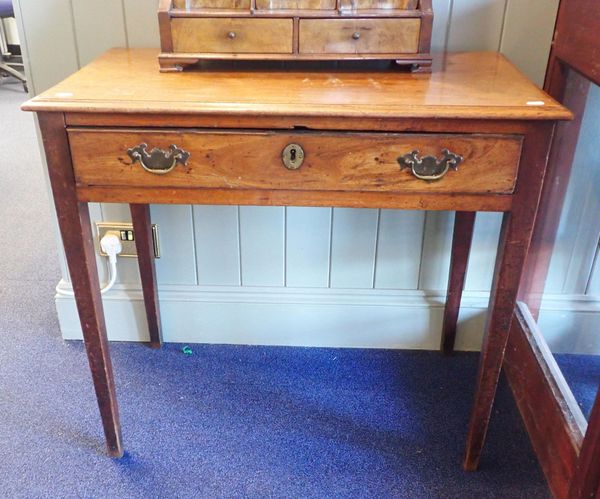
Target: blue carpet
[(582, 373), (255, 422)]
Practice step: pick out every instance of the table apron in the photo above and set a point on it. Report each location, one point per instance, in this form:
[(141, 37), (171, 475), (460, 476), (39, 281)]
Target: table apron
[(252, 197)]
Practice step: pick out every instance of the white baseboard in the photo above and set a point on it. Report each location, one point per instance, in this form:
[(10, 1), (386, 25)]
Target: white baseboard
[(324, 318)]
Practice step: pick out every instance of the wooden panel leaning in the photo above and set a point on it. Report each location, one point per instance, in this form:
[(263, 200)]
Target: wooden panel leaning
[(549, 410), (569, 455), (586, 479), (394, 30)]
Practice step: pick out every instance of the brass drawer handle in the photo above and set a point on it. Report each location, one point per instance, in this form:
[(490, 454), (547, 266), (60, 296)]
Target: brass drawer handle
[(292, 156), (158, 161), (430, 168), (231, 35)]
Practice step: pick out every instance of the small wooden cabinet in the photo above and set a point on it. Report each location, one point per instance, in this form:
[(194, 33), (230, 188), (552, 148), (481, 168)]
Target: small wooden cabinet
[(395, 30)]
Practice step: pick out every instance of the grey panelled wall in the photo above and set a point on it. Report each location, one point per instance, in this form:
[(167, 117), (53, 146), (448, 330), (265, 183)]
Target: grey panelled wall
[(306, 276)]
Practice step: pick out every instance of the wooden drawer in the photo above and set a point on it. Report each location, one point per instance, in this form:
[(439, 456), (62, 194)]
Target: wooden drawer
[(296, 4), (191, 5), (359, 36), (378, 4), (230, 35), (332, 161)]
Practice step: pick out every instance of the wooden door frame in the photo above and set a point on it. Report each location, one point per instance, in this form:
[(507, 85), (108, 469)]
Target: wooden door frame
[(567, 446)]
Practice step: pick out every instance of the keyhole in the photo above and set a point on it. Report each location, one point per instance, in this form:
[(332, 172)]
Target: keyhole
[(292, 156)]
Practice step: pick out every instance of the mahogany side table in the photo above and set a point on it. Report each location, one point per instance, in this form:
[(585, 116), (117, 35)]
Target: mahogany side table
[(471, 136)]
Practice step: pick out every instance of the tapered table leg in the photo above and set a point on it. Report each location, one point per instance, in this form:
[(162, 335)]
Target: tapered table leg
[(461, 247), (515, 238), (142, 227), (74, 222)]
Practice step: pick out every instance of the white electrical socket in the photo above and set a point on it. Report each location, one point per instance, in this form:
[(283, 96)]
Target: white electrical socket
[(125, 230)]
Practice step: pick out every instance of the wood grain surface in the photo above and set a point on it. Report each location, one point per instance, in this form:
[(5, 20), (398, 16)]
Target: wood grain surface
[(378, 4), (347, 36), (232, 35), (262, 197), (144, 243), (553, 419), (464, 224), (296, 4), (465, 85), (333, 162), (474, 91), (568, 453), (515, 238), (76, 231), (394, 30), (211, 4), (576, 37), (586, 479)]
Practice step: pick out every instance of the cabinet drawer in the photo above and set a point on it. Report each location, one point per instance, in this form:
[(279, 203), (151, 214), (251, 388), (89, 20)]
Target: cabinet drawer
[(359, 36), (211, 4), (332, 161), (378, 4), (295, 4), (230, 35)]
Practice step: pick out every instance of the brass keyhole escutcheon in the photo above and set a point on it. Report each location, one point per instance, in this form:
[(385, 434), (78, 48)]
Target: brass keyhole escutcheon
[(293, 156)]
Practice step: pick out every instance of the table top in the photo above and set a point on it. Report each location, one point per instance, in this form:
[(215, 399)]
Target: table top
[(474, 85)]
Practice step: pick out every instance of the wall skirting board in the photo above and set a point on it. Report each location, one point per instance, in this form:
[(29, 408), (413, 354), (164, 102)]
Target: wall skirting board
[(325, 318)]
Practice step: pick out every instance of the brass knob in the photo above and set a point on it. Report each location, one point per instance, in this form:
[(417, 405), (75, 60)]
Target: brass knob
[(356, 35), (231, 35)]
